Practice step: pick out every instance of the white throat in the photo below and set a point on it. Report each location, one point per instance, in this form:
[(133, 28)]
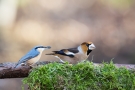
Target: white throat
[(41, 49)]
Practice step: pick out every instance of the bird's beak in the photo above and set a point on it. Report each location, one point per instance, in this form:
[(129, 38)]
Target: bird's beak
[(47, 47), (92, 46)]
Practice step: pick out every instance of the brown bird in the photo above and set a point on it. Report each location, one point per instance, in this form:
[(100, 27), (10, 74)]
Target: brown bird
[(74, 55)]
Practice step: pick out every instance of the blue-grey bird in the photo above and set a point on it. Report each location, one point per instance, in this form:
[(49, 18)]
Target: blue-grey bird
[(32, 56)]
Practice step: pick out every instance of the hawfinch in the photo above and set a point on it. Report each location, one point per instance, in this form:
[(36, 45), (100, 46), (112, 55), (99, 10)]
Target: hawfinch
[(74, 55)]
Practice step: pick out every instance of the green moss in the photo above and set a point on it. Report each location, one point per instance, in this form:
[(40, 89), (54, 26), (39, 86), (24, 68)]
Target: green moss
[(82, 76)]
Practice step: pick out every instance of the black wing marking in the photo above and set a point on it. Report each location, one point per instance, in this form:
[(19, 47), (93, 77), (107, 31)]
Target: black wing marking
[(74, 50), (61, 52)]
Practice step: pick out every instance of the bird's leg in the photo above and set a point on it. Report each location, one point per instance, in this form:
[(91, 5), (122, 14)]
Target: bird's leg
[(62, 61)]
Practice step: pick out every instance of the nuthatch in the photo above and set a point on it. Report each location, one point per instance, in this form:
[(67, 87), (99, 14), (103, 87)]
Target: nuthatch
[(74, 55), (32, 56)]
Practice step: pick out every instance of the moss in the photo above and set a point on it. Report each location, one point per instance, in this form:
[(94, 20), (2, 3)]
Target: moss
[(82, 76)]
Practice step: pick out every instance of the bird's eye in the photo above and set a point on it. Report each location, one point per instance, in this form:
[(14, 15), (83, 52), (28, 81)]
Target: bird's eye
[(87, 45)]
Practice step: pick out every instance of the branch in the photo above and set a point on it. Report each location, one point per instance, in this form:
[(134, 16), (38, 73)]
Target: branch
[(7, 70)]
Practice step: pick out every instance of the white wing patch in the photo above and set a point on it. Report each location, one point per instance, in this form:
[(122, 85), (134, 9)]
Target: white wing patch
[(69, 53)]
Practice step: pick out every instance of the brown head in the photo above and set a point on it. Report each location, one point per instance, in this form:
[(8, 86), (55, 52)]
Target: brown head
[(87, 47)]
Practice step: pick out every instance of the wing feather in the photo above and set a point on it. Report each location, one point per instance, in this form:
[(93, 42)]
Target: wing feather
[(73, 50), (64, 53), (29, 55)]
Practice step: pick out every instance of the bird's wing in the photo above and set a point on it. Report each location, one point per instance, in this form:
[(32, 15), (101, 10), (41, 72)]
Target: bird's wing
[(67, 52), (63, 52), (29, 55), (73, 50)]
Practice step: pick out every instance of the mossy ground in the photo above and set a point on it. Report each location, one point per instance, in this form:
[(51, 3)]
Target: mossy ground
[(82, 76)]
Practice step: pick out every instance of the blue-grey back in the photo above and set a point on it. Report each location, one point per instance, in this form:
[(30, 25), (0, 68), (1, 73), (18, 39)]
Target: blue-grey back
[(31, 54)]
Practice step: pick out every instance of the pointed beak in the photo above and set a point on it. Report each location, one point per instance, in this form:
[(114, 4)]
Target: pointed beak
[(92, 46), (47, 47)]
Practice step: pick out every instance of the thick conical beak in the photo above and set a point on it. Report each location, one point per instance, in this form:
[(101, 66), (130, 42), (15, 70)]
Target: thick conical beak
[(92, 46)]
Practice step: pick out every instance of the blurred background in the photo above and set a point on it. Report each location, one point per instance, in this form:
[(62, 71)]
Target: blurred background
[(109, 24)]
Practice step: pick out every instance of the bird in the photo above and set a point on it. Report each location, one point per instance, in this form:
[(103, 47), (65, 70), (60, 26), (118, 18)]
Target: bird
[(32, 56), (74, 55)]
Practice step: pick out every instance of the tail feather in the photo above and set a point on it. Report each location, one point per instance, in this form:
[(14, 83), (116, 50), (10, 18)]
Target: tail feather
[(54, 52), (16, 65), (50, 54)]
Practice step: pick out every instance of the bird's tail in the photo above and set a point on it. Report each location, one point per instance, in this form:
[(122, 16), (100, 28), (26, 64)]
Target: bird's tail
[(50, 54), (15, 65), (53, 53)]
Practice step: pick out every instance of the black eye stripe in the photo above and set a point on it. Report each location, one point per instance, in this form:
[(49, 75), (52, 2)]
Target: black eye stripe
[(87, 45), (39, 47)]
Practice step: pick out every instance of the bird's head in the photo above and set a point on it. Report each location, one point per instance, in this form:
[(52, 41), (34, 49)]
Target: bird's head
[(90, 45), (87, 47), (41, 48)]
